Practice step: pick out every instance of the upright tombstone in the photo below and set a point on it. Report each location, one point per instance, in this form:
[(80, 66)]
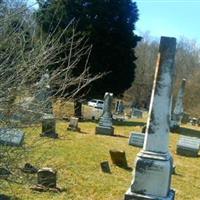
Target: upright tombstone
[(105, 123), (119, 107), (186, 118), (73, 124), (47, 177), (153, 167), (43, 101), (137, 113), (178, 112)]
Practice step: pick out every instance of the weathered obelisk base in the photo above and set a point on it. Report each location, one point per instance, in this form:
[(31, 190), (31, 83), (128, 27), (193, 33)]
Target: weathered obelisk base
[(153, 165), (105, 123)]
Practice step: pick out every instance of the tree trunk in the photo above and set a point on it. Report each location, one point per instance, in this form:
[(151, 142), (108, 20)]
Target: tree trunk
[(78, 109)]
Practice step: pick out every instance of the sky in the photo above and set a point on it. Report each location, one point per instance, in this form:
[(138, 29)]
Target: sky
[(173, 18)]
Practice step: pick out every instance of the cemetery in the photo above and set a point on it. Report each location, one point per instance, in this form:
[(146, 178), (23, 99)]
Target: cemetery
[(77, 156), (82, 117)]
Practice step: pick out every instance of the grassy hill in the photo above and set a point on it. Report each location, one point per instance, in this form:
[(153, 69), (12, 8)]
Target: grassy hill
[(77, 157)]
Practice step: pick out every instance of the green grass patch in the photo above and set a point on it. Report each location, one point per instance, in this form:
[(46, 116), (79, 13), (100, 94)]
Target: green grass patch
[(77, 157)]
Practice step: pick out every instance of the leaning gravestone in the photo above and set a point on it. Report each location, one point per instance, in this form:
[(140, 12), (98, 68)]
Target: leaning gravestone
[(119, 158), (188, 146), (73, 124), (136, 139), (105, 167), (105, 123), (11, 137)]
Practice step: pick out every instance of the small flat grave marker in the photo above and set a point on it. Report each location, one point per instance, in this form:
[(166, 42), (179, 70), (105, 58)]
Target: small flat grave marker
[(136, 139), (11, 137), (118, 158), (73, 124), (188, 146), (105, 167)]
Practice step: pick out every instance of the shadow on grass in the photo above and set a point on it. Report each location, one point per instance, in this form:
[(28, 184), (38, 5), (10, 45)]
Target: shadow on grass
[(120, 136), (5, 197), (189, 132), (128, 123)]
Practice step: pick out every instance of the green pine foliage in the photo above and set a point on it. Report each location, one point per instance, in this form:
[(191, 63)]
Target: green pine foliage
[(108, 25)]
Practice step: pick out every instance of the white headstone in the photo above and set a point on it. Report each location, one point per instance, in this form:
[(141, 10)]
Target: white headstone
[(136, 139), (153, 166)]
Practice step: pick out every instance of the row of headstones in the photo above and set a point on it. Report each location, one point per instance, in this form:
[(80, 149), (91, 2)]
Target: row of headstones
[(186, 146)]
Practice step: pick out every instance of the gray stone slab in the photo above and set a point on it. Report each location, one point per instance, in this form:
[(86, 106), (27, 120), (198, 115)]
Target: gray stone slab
[(135, 196), (73, 124), (188, 146), (137, 113), (104, 130), (49, 127), (105, 167), (47, 177), (11, 137), (136, 139)]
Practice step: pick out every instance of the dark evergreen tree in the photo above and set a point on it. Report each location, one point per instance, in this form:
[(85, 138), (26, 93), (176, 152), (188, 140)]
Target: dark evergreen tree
[(109, 26)]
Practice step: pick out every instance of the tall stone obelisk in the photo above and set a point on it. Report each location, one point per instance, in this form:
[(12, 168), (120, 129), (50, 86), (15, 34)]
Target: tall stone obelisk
[(153, 166), (178, 112)]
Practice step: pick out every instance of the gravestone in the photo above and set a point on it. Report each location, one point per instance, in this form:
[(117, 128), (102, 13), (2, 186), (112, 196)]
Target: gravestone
[(186, 118), (136, 139), (193, 121), (4, 173), (118, 158), (153, 165), (49, 127), (105, 167), (137, 113), (119, 107), (11, 136), (105, 123), (178, 112), (29, 169), (47, 177), (198, 122), (73, 124), (188, 146), (95, 113)]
